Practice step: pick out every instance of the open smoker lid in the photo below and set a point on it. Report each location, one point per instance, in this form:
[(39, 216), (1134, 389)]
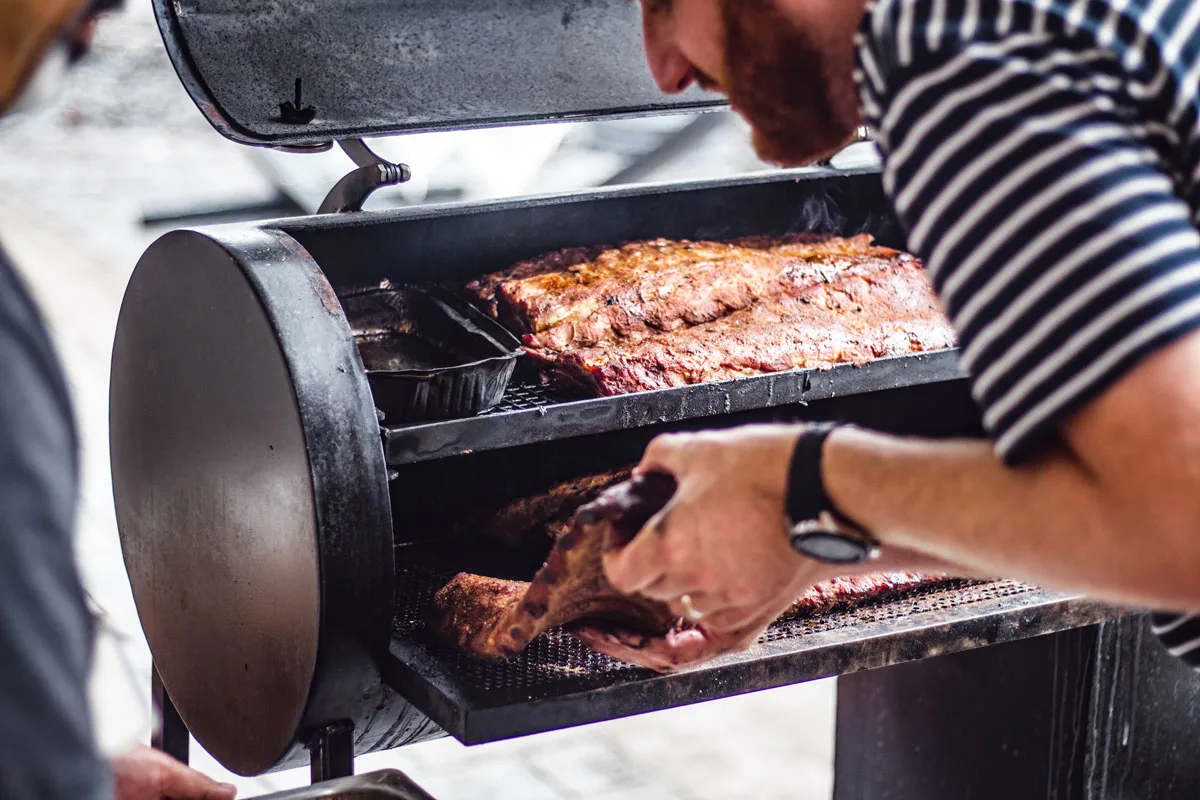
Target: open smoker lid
[(374, 67)]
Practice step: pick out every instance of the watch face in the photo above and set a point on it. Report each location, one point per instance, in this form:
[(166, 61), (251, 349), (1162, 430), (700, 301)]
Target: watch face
[(832, 548)]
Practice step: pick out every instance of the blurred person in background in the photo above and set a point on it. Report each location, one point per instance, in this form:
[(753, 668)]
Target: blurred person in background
[(47, 745)]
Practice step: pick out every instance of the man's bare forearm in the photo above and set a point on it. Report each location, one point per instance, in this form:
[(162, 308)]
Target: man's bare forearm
[(1050, 522)]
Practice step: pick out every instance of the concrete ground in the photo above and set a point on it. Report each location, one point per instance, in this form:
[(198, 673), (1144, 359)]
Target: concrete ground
[(74, 183)]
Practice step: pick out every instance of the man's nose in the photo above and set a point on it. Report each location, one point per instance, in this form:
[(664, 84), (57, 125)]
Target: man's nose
[(671, 69)]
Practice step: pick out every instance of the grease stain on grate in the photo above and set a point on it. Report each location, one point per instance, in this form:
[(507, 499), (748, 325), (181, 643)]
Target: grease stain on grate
[(557, 658)]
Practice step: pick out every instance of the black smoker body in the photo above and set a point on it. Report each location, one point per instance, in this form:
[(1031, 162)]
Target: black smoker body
[(240, 410)]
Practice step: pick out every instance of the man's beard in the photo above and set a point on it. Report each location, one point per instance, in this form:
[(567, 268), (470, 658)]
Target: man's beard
[(797, 95)]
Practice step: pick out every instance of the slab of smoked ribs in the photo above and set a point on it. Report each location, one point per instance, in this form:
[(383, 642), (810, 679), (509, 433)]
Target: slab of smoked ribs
[(494, 619), (651, 315)]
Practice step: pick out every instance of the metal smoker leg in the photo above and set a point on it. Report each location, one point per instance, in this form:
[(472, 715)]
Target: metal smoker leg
[(1092, 713), (172, 736), (332, 752)]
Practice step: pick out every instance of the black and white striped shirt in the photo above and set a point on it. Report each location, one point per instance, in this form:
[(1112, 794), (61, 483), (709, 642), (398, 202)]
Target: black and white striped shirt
[(1044, 158)]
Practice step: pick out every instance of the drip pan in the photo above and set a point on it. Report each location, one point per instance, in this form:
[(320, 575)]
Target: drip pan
[(429, 355)]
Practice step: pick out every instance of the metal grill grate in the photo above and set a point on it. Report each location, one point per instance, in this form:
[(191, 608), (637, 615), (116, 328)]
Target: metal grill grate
[(530, 412), (926, 600), (526, 396), (558, 681), (558, 657), (549, 659)]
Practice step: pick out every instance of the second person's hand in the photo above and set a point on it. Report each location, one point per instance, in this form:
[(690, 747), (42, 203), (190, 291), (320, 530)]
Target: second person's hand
[(144, 773)]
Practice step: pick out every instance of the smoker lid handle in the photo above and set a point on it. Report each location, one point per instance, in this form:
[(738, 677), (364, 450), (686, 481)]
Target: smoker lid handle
[(352, 191)]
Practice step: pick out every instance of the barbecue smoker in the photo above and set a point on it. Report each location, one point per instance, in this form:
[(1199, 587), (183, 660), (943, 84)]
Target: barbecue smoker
[(283, 540)]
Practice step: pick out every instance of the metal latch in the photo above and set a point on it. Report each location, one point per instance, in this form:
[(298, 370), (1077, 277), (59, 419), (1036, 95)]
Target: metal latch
[(352, 191)]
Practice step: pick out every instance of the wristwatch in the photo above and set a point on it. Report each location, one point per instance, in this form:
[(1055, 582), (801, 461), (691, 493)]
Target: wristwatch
[(818, 529)]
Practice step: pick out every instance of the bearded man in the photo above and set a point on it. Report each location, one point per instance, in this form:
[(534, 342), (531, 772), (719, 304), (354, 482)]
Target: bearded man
[(1044, 161), (47, 749)]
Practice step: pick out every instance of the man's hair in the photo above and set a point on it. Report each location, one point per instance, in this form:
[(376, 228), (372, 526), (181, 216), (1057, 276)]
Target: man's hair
[(28, 31)]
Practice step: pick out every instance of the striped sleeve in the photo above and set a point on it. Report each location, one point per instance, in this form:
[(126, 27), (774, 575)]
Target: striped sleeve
[(1051, 231)]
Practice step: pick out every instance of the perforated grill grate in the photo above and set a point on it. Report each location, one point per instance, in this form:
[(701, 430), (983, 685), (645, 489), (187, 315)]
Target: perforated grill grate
[(526, 396), (551, 658), (557, 657), (941, 597)]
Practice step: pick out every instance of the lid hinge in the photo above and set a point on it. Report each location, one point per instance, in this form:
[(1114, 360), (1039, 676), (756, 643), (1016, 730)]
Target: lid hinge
[(352, 191), (861, 134)]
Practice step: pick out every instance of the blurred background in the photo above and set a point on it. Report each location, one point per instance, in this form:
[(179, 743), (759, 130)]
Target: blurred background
[(124, 156)]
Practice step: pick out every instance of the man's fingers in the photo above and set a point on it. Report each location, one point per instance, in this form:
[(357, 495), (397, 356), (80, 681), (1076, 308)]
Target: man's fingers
[(750, 634), (678, 649), (731, 619), (144, 773), (665, 454), (180, 782), (640, 563), (670, 653), (668, 588)]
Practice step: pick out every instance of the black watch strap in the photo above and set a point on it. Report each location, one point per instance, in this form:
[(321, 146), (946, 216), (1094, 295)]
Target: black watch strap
[(806, 498), (818, 530)]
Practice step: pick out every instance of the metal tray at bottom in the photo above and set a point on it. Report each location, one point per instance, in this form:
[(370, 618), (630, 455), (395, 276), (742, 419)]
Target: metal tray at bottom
[(388, 784), (559, 682)]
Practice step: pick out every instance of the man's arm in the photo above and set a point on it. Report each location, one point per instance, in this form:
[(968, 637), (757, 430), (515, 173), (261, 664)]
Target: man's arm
[(1114, 511), (1049, 218)]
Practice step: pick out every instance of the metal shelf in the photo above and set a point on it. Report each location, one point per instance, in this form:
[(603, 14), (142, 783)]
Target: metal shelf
[(531, 413), (559, 682)]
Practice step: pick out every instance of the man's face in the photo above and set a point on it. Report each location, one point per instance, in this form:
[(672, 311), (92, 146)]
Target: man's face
[(787, 66)]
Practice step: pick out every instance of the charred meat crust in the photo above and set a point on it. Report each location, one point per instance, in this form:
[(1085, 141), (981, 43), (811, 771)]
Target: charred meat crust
[(532, 523), (653, 315), (871, 309), (493, 619), (840, 594), (582, 297)]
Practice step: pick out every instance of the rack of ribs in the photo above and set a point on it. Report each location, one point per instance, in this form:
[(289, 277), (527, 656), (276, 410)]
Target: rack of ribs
[(651, 315), (493, 619), (866, 312), (530, 525)]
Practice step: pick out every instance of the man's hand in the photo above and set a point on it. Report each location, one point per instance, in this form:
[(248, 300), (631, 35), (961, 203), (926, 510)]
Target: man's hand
[(722, 539), (147, 774), (675, 651)]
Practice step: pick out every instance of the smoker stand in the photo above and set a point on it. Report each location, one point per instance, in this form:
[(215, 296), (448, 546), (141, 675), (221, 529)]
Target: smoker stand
[(1096, 713)]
